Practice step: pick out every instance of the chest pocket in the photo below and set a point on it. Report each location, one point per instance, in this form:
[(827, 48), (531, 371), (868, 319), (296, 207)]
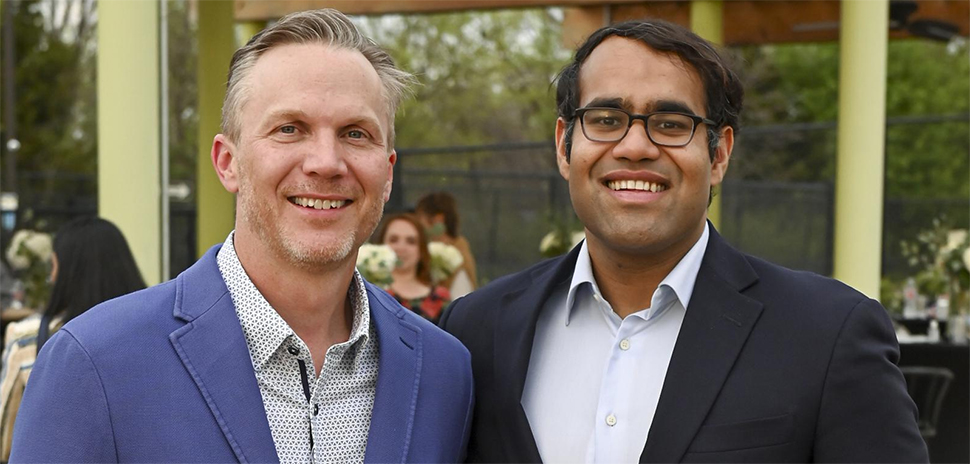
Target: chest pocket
[(755, 433)]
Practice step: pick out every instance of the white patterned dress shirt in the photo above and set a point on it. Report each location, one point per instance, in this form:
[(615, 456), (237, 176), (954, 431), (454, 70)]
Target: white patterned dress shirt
[(326, 419), (594, 379)]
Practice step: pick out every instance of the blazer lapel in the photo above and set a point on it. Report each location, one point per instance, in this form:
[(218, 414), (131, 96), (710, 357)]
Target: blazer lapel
[(213, 349), (514, 334), (717, 323), (399, 374)]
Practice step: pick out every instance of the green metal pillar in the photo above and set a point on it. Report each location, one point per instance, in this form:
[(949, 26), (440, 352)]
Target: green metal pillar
[(707, 21), (129, 135), (215, 215), (860, 165)]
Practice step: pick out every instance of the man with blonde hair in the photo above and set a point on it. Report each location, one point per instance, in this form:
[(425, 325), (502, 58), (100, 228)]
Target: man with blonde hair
[(271, 347)]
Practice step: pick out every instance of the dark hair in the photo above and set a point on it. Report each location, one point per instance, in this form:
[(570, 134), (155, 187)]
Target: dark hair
[(94, 264), (441, 203), (423, 268), (722, 87)]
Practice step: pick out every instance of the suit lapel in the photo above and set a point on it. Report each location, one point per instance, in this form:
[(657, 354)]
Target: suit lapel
[(716, 325), (514, 334), (213, 349), (398, 378)]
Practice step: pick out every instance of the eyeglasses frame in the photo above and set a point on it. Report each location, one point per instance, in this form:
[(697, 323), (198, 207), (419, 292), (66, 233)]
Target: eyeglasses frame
[(578, 113)]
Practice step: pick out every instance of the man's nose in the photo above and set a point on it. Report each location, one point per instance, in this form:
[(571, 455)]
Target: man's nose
[(636, 145), (325, 157)]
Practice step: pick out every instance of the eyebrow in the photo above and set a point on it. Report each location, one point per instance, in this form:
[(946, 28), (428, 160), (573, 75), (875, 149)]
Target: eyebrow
[(278, 115), (673, 105), (662, 105), (617, 103)]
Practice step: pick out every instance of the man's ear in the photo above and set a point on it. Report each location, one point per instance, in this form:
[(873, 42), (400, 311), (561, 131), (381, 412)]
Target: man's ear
[(561, 160), (391, 160), (224, 161), (722, 156)]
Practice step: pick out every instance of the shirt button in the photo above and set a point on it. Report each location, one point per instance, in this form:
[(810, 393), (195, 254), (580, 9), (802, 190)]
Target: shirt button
[(293, 350), (316, 409), (597, 297), (611, 420), (624, 344)]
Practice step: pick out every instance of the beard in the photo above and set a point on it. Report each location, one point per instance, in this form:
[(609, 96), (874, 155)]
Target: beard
[(286, 245)]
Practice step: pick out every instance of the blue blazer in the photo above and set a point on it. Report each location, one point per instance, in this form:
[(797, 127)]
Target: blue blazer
[(164, 375)]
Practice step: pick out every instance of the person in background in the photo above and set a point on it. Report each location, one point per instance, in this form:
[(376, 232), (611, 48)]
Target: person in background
[(91, 263), (438, 213), (412, 285)]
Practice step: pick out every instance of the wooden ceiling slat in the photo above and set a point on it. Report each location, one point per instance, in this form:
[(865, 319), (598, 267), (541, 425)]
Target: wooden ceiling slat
[(746, 22)]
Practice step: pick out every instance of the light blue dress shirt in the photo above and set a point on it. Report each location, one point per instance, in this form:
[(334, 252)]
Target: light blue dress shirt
[(594, 379)]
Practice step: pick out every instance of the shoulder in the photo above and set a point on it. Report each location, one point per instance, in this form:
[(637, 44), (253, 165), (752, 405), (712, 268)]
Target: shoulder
[(480, 309), (793, 285), (131, 318), (436, 342)]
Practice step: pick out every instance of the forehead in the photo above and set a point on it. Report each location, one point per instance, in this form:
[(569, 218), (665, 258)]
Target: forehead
[(315, 79), (629, 70), (401, 227)]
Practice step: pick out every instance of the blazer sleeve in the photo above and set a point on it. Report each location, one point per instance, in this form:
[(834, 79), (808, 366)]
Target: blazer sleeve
[(866, 414), (64, 415)]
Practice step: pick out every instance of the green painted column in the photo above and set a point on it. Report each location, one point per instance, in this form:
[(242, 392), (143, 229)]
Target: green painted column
[(707, 21), (129, 135), (860, 165), (215, 215)]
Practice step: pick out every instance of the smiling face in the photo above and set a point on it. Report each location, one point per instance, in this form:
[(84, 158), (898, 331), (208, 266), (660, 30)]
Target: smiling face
[(634, 197), (403, 238), (312, 168)]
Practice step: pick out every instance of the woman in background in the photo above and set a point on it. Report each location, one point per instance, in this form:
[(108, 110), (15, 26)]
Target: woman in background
[(438, 213), (411, 284), (91, 264)]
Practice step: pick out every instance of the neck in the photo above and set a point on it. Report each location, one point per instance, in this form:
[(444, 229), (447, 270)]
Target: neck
[(627, 278), (404, 275), (313, 302)]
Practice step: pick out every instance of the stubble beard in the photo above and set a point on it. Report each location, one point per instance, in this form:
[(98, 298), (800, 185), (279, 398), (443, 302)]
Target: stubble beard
[(310, 257)]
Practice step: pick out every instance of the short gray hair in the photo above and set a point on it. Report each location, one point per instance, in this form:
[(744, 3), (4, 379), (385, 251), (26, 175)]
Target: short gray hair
[(325, 26)]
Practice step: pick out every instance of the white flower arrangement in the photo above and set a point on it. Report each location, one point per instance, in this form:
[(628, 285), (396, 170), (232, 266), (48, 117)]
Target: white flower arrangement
[(375, 263), (27, 246), (445, 260), (30, 255)]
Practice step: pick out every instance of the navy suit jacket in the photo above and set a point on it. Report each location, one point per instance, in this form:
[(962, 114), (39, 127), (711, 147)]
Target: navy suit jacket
[(165, 375), (770, 365)]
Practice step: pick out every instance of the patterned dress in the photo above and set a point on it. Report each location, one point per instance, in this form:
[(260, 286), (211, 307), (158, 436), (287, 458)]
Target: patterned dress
[(428, 306)]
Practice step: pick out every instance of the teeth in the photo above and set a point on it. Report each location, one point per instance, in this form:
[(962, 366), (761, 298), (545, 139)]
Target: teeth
[(318, 203), (635, 185)]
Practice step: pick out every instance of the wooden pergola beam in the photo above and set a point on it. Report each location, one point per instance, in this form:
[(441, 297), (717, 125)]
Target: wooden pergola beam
[(264, 10), (746, 22)]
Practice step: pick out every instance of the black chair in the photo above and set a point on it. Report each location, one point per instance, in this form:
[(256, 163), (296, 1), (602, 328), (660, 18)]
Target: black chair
[(927, 386)]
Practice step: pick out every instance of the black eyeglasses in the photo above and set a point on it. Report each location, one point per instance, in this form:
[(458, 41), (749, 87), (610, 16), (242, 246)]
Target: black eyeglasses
[(668, 129)]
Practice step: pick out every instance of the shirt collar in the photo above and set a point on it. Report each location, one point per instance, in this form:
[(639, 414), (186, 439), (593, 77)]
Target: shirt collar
[(679, 283), (264, 328)]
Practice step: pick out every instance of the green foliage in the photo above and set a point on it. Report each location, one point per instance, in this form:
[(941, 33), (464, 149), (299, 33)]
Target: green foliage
[(485, 76), (183, 98), (55, 87), (799, 84)]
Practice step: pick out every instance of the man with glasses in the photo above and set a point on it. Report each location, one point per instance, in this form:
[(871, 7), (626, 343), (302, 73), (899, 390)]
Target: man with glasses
[(654, 340)]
